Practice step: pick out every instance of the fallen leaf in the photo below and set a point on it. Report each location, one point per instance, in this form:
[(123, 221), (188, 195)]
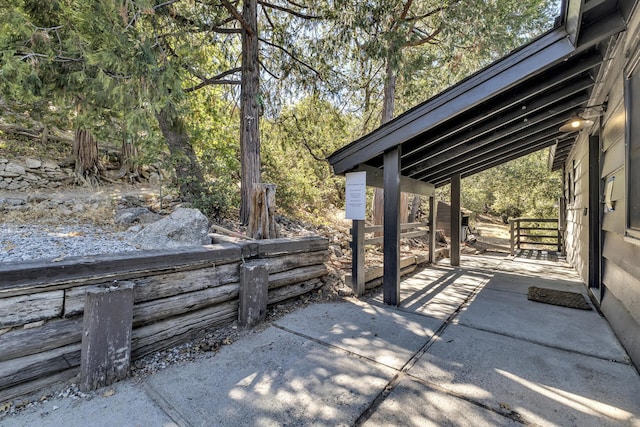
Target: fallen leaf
[(58, 259), (226, 341), (5, 406), (109, 393)]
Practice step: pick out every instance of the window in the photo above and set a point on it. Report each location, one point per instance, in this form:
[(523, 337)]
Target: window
[(632, 166)]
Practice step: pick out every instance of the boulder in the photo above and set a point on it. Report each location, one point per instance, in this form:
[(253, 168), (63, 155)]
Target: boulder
[(136, 215), (184, 227)]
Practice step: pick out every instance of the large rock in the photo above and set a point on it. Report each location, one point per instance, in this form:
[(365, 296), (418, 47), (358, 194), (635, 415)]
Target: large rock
[(184, 227), (136, 215)]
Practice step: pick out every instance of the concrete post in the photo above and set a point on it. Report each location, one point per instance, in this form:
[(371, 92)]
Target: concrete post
[(254, 289), (106, 335)]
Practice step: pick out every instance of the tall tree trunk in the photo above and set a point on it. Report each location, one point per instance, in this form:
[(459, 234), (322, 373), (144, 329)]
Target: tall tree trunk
[(85, 154), (128, 154), (388, 108), (249, 112), (188, 170)]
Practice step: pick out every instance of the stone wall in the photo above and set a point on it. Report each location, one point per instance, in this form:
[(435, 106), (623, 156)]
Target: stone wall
[(27, 173)]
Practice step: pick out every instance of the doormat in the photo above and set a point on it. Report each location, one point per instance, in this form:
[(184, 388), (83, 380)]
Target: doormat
[(561, 298)]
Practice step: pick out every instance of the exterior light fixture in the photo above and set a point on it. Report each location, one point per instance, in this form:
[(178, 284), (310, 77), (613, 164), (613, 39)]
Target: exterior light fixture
[(582, 121), (575, 124)]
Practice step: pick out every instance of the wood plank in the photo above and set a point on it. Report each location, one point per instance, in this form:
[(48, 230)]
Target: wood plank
[(408, 235), (23, 369), (107, 267), (613, 159), (292, 261), (31, 387), (165, 308), (162, 285), (624, 286), (373, 273), (615, 125), (285, 293), (171, 332), (25, 309), (53, 334), (405, 226), (377, 282), (625, 255), (297, 275), (275, 247)]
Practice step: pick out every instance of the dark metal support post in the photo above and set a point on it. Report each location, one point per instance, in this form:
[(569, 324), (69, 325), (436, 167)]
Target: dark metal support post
[(391, 284), (454, 249), (433, 206), (595, 192), (357, 257)]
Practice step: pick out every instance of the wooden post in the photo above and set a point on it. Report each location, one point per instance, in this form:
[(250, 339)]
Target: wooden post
[(391, 284), (357, 257), (262, 222), (106, 335), (253, 295), (433, 205), (454, 249), (512, 241), (518, 233)]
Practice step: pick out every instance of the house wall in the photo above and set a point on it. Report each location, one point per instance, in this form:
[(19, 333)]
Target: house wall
[(576, 192), (620, 271)]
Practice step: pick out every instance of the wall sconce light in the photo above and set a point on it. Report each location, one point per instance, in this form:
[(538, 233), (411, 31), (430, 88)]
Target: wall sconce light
[(581, 121)]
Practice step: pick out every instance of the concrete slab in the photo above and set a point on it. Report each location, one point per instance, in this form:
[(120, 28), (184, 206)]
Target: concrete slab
[(271, 378), (440, 298), (413, 403), (561, 327), (378, 332), (128, 406), (519, 283), (545, 386)]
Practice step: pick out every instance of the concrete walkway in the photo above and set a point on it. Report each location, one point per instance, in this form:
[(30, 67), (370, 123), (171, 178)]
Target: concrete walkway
[(465, 348)]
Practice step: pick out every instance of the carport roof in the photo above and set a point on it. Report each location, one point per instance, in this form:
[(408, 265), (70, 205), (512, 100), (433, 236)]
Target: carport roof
[(509, 109)]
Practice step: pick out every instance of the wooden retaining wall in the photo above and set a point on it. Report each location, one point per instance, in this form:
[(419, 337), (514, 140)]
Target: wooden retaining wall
[(178, 294)]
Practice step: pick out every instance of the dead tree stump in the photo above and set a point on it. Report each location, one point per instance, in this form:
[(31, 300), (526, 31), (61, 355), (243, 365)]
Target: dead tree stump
[(262, 222)]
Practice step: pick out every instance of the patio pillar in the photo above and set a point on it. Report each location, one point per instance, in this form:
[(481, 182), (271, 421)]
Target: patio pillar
[(391, 227), (454, 248), (357, 257), (433, 206)]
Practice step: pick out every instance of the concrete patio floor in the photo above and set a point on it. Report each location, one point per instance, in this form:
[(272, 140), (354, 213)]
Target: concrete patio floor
[(465, 348)]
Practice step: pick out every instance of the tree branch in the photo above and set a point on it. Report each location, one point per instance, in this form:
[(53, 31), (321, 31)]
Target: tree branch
[(290, 11), (238, 16), (424, 40), (291, 55), (215, 80)]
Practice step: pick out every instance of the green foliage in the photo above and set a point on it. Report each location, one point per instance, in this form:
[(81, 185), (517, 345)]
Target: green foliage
[(522, 187), (294, 149)]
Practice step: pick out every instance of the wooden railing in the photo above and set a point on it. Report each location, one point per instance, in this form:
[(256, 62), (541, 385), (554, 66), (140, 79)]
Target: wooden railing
[(526, 231), (406, 232)]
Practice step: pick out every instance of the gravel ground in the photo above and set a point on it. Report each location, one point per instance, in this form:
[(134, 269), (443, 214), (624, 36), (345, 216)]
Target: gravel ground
[(20, 242)]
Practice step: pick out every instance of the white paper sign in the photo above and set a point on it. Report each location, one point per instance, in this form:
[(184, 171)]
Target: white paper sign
[(356, 205)]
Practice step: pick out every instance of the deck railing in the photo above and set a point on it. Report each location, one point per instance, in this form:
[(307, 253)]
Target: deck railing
[(534, 232)]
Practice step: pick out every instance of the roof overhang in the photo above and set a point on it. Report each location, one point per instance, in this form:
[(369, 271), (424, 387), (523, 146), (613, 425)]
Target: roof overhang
[(509, 109)]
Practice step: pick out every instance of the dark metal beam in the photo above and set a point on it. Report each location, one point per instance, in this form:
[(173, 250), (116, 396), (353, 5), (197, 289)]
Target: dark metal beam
[(391, 225), (433, 208), (357, 257), (489, 153), (454, 246), (461, 147), (519, 112), (532, 59), (375, 178)]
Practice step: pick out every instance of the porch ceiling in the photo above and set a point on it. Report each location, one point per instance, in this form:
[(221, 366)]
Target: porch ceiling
[(507, 110)]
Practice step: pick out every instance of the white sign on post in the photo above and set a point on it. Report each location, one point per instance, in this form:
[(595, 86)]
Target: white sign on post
[(356, 187)]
